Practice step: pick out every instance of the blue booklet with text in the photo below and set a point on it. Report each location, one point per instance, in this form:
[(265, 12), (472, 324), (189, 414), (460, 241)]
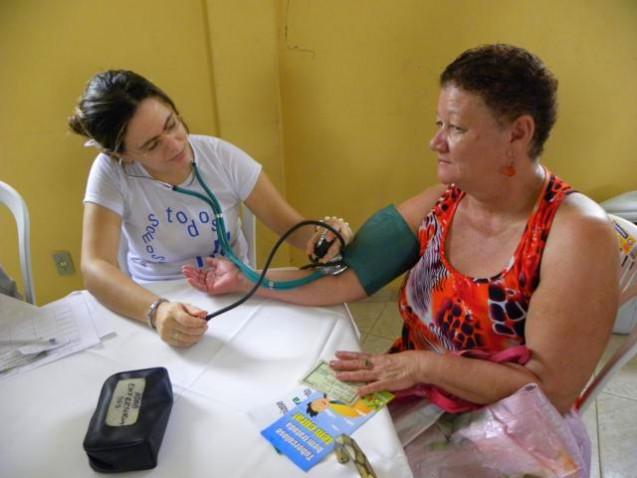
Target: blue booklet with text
[(306, 433)]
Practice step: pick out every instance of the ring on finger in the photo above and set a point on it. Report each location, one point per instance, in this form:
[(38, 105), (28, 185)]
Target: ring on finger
[(176, 335), (368, 364)]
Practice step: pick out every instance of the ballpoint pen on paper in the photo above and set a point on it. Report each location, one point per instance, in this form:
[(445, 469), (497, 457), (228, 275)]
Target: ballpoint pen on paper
[(32, 346), (38, 341), (19, 362)]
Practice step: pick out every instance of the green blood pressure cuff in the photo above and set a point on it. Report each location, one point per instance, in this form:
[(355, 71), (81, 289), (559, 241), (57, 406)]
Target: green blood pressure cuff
[(128, 425), (383, 248)]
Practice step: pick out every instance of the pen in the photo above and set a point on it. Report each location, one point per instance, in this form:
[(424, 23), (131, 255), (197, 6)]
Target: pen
[(39, 341), (25, 361)]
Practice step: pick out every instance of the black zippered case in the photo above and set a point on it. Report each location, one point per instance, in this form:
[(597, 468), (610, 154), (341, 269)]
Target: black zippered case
[(128, 425)]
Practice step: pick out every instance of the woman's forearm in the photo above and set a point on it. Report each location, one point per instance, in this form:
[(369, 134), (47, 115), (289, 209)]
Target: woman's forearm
[(475, 380), (115, 290), (328, 290)]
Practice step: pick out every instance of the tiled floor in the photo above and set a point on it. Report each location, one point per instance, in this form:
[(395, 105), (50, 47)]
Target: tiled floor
[(611, 421)]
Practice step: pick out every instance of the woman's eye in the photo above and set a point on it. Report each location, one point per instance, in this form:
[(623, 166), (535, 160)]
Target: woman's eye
[(170, 126), (456, 129), (151, 146)]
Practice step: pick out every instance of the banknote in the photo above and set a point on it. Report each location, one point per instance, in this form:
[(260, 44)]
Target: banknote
[(323, 379)]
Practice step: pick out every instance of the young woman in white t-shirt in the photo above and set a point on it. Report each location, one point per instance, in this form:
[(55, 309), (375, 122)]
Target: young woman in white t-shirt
[(145, 149)]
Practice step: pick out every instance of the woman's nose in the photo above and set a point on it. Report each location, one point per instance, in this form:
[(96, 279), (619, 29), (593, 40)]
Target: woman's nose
[(438, 142), (172, 141)]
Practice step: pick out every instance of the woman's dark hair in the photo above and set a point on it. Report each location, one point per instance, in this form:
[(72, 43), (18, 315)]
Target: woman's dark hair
[(512, 82), (108, 103)]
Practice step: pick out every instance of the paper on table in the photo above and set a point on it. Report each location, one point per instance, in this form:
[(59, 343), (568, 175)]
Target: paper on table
[(265, 413), (67, 321), (97, 312), (41, 346), (308, 432)]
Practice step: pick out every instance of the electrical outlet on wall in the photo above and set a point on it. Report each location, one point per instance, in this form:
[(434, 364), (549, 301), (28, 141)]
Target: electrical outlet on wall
[(63, 263)]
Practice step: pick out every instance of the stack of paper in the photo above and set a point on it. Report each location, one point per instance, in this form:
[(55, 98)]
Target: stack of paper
[(32, 336)]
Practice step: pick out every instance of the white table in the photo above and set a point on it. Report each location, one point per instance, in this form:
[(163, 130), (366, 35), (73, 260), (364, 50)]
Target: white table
[(251, 355)]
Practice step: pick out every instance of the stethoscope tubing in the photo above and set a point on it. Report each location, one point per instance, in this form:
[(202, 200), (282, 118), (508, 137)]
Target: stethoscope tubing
[(226, 248), (266, 266)]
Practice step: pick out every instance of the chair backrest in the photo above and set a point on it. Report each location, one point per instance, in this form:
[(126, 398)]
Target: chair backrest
[(12, 199), (627, 236), (249, 228)]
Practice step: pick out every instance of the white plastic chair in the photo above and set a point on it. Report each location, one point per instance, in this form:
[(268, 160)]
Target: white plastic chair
[(249, 228), (627, 236), (12, 199)]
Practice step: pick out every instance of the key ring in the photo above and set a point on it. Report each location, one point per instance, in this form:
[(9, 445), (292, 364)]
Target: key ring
[(347, 449)]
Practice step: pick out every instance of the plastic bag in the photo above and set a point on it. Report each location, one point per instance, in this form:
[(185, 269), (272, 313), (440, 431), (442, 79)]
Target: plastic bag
[(522, 435)]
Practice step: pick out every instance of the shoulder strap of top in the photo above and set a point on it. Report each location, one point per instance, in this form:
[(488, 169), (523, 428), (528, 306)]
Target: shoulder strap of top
[(555, 192), (447, 202)]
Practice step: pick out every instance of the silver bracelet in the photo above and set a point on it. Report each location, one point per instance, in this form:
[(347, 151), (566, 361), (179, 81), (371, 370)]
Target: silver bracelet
[(152, 310)]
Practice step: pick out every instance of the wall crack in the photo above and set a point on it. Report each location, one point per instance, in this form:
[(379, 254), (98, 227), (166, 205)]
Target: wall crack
[(288, 45)]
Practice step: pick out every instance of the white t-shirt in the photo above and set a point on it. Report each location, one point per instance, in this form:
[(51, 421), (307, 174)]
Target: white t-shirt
[(165, 229)]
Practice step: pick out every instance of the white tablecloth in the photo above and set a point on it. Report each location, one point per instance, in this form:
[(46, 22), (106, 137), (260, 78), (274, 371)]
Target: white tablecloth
[(251, 355)]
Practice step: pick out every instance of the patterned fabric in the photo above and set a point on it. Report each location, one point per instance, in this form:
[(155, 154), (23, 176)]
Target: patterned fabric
[(444, 310)]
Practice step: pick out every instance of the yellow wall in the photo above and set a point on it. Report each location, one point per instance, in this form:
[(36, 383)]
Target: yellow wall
[(335, 97), (359, 88), (49, 50), (244, 40)]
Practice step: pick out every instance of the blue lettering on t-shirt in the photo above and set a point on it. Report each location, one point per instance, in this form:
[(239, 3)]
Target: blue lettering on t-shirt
[(204, 217), (181, 217), (191, 228), (149, 235), (153, 220)]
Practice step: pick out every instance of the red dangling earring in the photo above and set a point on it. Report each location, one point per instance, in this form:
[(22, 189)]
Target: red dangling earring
[(509, 171)]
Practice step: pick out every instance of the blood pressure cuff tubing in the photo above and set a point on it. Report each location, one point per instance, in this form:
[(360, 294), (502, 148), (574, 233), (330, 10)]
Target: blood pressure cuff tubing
[(128, 425), (383, 248)]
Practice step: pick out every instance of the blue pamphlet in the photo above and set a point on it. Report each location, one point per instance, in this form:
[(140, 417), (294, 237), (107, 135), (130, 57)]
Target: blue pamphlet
[(306, 433)]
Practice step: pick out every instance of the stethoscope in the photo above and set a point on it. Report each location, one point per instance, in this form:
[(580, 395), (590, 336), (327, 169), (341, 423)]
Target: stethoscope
[(333, 267), (251, 274)]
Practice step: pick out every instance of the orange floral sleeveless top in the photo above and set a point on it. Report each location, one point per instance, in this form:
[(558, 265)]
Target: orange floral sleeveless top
[(444, 310)]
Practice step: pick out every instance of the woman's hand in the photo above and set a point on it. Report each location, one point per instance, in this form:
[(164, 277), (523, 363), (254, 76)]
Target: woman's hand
[(380, 372), (322, 234), (181, 325), (218, 277)]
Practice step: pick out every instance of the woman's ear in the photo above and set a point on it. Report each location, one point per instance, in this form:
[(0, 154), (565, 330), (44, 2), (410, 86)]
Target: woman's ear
[(522, 131)]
